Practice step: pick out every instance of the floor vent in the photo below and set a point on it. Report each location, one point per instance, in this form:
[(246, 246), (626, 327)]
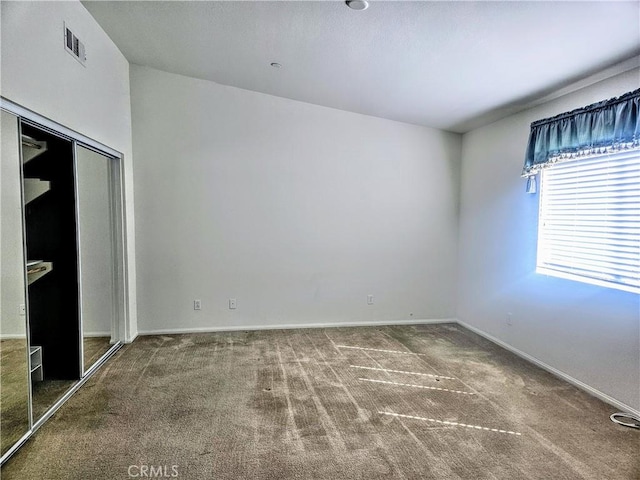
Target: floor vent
[(74, 46)]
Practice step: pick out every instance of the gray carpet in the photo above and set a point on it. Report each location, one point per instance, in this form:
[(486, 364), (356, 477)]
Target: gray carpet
[(14, 387), (14, 391), (426, 402), (94, 348), (46, 393)]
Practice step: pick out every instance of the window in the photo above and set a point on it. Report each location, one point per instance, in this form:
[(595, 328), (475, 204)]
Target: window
[(589, 226)]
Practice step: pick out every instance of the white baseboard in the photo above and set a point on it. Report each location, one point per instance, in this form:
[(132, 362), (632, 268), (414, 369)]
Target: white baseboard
[(13, 336), (238, 328), (97, 334), (558, 373)]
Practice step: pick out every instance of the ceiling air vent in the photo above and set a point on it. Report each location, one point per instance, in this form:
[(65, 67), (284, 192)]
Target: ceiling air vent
[(74, 46)]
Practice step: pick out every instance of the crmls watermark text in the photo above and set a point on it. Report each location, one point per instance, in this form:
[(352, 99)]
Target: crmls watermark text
[(153, 471)]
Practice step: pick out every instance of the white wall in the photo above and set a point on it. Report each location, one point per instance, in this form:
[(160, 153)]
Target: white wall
[(588, 332), (297, 211), (94, 100)]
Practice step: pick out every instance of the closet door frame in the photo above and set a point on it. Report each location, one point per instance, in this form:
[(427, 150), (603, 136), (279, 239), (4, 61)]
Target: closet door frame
[(122, 323)]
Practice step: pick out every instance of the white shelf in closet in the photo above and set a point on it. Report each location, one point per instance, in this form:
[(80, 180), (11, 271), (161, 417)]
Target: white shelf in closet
[(31, 148), (36, 269), (35, 359), (34, 187)]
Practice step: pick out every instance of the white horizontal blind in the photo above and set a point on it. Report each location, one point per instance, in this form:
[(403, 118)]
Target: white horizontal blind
[(590, 220)]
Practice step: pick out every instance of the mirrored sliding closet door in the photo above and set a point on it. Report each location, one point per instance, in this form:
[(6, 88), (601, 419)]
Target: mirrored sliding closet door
[(98, 214), (15, 420), (62, 263)]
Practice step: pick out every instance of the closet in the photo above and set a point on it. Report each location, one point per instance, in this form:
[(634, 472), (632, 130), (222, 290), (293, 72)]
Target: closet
[(63, 282)]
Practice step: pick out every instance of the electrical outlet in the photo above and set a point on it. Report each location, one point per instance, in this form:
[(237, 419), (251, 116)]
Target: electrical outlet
[(509, 319), (197, 305), (22, 309), (369, 299), (232, 304)]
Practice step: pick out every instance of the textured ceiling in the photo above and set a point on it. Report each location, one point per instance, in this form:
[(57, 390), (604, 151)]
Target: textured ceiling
[(448, 65)]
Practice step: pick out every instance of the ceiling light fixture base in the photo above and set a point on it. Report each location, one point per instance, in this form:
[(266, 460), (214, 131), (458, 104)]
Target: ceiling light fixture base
[(357, 4)]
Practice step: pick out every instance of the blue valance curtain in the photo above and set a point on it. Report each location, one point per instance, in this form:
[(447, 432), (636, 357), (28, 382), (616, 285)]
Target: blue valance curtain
[(606, 126)]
